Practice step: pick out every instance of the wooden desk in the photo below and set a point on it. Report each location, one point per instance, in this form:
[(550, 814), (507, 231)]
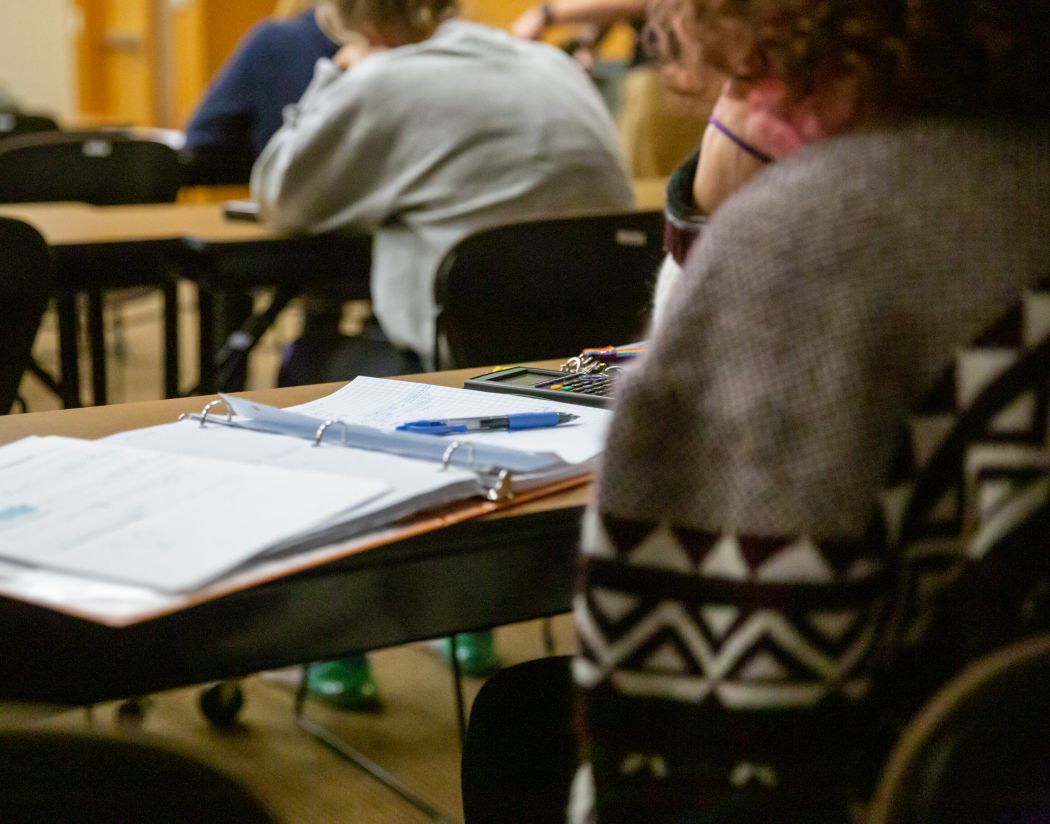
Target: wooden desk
[(95, 248), (79, 225), (201, 243), (221, 256), (512, 566)]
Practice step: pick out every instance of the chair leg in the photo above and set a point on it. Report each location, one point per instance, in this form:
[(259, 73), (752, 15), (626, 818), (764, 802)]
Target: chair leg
[(44, 377), (171, 340), (548, 637), (341, 748), (68, 332), (457, 691), (97, 336)]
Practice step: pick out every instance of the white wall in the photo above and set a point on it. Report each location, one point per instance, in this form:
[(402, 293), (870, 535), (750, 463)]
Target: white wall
[(37, 54)]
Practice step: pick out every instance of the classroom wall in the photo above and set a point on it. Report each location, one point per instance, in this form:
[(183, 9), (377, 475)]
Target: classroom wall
[(37, 54), (148, 62)]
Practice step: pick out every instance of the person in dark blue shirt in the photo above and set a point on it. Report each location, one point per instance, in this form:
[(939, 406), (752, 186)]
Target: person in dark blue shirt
[(271, 68), (241, 110)]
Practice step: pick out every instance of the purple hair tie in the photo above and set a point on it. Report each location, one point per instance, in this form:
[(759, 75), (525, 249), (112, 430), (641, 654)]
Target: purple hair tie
[(744, 145)]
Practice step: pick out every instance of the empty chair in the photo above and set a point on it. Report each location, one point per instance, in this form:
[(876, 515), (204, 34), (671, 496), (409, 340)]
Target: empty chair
[(89, 779), (103, 169), (546, 288), (24, 291), (100, 168), (979, 750), (13, 124)]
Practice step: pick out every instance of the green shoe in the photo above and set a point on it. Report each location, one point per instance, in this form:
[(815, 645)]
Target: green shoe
[(345, 683), (475, 651)]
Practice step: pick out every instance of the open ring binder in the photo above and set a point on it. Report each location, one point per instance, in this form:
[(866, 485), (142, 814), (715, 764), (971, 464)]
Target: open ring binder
[(446, 458), (494, 466), (323, 428), (202, 416)]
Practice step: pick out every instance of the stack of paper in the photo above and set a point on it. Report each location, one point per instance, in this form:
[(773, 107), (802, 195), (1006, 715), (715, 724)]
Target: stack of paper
[(254, 489)]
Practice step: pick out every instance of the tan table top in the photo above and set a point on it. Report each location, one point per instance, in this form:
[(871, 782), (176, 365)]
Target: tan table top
[(75, 224)]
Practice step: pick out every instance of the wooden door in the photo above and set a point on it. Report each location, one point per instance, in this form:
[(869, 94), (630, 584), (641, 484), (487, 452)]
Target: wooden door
[(118, 61)]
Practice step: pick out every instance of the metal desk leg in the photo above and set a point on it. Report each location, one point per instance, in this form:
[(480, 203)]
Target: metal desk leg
[(171, 339), (358, 759), (231, 361), (206, 335), (69, 366), (97, 337), (457, 690)]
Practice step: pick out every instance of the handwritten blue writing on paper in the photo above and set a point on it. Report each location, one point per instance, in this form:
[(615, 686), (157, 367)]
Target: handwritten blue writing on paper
[(13, 512)]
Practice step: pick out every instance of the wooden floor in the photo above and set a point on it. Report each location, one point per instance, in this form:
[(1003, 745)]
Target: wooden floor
[(413, 736)]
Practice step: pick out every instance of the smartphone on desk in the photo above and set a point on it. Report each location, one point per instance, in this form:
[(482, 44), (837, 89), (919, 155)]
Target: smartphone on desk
[(241, 210)]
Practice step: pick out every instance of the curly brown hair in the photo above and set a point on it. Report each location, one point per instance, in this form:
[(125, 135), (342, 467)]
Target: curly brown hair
[(917, 57)]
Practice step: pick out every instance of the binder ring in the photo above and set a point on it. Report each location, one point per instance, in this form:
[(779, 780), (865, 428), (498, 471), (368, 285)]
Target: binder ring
[(324, 428), (502, 489), (446, 459), (209, 406)]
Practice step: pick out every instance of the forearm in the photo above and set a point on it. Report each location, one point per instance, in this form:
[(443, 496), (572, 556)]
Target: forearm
[(307, 178), (595, 11)]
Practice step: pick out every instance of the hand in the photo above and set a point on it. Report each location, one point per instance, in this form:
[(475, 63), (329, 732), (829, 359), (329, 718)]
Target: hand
[(531, 24), (724, 167), (354, 52)]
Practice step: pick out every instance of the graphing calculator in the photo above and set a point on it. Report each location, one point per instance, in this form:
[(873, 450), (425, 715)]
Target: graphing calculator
[(589, 389)]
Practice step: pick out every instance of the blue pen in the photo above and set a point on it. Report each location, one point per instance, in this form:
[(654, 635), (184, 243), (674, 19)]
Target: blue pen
[(517, 421)]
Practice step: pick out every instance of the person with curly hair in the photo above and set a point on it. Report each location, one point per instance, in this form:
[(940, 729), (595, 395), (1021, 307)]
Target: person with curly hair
[(731, 599)]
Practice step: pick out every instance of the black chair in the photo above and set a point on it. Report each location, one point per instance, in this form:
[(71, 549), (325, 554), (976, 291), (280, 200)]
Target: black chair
[(546, 288), (24, 290), (13, 124), (82, 779), (217, 165), (103, 169), (519, 755), (979, 750)]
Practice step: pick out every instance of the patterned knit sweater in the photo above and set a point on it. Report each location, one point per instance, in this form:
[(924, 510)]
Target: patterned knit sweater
[(734, 573)]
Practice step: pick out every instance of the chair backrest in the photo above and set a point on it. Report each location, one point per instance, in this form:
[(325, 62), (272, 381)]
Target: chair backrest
[(979, 750), (24, 288), (519, 755), (547, 288), (92, 780), (13, 124), (974, 496), (217, 166), (101, 168)]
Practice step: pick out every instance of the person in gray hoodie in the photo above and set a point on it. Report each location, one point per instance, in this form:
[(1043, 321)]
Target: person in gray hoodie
[(437, 129)]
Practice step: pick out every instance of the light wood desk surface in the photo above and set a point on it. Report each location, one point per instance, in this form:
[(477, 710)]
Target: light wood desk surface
[(78, 224)]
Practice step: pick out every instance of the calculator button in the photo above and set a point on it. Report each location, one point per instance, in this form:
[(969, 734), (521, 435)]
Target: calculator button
[(555, 386)]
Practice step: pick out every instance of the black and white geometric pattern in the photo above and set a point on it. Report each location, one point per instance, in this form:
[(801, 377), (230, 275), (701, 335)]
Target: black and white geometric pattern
[(768, 623), (977, 465), (751, 623)]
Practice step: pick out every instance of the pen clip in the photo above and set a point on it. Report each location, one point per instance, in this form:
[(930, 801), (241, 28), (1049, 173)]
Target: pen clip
[(432, 428)]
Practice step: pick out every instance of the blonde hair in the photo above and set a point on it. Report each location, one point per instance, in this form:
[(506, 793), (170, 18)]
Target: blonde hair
[(292, 8), (415, 20)]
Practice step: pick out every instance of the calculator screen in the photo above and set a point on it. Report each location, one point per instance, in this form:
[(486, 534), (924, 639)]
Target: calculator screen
[(524, 379)]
